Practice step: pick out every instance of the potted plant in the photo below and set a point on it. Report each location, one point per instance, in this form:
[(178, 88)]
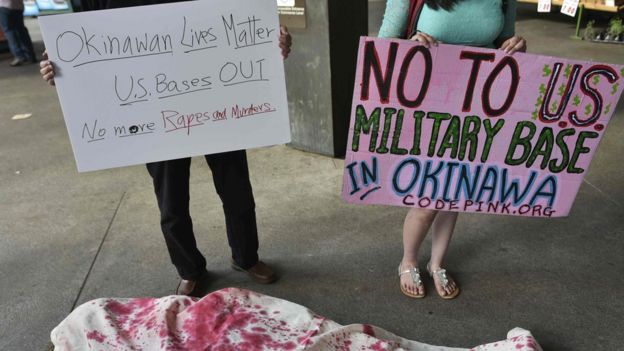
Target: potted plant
[(590, 31), (616, 29)]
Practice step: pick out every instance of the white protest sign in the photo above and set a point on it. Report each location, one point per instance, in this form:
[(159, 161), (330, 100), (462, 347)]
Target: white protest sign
[(569, 7), (152, 83), (544, 5), (286, 3)]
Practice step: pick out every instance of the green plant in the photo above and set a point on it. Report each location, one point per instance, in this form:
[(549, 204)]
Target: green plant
[(616, 27), (590, 31)]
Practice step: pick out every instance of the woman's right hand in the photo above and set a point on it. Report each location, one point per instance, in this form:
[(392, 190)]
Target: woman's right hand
[(424, 38), (47, 69)]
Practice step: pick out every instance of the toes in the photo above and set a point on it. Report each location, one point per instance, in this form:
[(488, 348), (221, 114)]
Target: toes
[(452, 287), (445, 290), (441, 290), (413, 289)]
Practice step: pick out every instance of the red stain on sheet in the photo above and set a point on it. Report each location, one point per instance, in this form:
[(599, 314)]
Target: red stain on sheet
[(368, 330), (230, 324), (229, 319), (378, 346), (96, 335)]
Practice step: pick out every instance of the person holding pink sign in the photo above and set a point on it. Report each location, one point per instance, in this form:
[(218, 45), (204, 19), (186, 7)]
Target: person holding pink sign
[(480, 23)]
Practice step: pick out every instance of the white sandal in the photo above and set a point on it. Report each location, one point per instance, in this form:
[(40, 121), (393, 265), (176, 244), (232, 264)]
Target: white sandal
[(415, 275), (440, 273)]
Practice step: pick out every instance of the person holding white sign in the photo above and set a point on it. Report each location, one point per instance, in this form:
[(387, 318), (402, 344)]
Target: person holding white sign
[(481, 23), (171, 185)]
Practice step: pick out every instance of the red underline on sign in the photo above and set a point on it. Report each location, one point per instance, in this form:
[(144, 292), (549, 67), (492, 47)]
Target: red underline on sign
[(184, 127), (257, 113)]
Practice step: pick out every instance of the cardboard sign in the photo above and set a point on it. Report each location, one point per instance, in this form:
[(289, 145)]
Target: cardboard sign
[(544, 5), (153, 83), (292, 13), (287, 3), (569, 7), (474, 130)]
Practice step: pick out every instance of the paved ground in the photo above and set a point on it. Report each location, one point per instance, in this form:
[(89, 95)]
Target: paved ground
[(66, 238)]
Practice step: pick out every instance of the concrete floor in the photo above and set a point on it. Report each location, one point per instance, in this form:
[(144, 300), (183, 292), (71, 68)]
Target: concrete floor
[(66, 238)]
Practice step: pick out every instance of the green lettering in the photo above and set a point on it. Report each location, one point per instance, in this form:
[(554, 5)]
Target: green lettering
[(543, 148), (470, 133), (565, 154), (490, 133), (580, 149), (438, 118), (451, 139), (396, 137), (383, 144), (518, 140), (364, 123), (418, 116)]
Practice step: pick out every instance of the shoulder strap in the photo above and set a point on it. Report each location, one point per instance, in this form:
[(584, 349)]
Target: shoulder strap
[(414, 12)]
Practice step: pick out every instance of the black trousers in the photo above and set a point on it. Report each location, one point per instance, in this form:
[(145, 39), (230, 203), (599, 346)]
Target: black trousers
[(231, 179)]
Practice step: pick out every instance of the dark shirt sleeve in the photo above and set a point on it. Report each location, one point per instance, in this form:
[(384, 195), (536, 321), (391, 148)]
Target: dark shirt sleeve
[(91, 5), (86, 5)]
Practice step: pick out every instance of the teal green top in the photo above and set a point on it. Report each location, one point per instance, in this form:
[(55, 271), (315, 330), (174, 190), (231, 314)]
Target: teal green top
[(470, 22)]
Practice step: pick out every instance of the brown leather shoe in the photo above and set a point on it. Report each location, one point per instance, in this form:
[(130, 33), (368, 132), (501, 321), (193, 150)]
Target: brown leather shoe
[(261, 273), (186, 287)]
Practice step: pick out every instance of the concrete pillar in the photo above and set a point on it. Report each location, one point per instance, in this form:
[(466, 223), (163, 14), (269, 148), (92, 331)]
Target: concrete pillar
[(321, 71)]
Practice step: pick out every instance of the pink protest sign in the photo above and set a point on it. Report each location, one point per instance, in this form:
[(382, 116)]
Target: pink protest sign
[(474, 130)]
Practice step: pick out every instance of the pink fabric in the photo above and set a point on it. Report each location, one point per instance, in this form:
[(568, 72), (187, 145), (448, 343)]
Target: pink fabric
[(231, 319)]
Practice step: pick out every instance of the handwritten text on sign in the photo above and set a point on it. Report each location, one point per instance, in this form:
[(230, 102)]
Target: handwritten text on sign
[(465, 129), (153, 83)]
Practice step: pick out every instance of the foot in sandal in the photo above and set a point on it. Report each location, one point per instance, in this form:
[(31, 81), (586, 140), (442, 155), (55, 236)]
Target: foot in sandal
[(445, 285), (411, 284)]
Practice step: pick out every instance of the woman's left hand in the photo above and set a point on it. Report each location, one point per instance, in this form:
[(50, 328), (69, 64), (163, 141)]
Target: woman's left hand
[(514, 44)]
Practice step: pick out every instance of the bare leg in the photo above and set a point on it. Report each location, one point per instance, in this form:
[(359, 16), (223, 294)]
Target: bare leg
[(415, 228), (443, 228)]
